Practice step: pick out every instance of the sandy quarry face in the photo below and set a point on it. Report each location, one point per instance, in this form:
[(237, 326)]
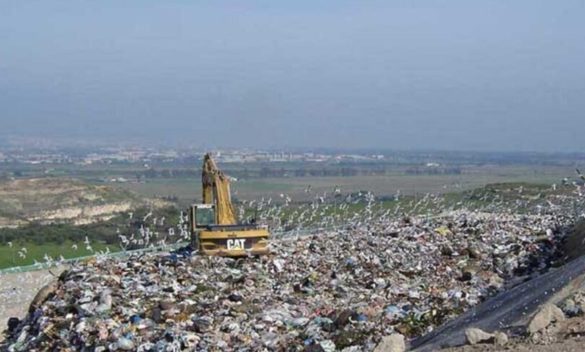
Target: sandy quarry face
[(52, 200)]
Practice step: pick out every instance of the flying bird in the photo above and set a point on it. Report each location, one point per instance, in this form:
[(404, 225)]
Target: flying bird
[(580, 174)]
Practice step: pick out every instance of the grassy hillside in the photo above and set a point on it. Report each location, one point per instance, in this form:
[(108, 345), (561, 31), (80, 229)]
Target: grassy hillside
[(72, 241)]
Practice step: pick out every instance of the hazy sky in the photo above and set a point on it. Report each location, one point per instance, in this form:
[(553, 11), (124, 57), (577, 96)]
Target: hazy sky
[(480, 75)]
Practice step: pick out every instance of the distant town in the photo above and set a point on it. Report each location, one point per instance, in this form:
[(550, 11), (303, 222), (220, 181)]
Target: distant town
[(146, 155), (167, 166)]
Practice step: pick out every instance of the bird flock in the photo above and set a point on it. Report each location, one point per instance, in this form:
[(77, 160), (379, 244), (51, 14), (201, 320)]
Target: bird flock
[(332, 210)]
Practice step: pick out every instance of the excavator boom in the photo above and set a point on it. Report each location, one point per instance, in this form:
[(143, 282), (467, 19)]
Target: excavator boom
[(216, 191)]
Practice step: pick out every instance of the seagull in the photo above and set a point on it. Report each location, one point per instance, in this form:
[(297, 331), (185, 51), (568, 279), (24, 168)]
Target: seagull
[(123, 239), (147, 216), (10, 244), (580, 174), (74, 246), (565, 181)]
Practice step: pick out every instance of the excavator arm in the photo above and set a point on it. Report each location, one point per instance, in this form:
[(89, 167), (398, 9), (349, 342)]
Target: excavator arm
[(216, 191)]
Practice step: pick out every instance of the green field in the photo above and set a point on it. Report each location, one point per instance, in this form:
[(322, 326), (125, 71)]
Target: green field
[(58, 239), (188, 190), (9, 256)]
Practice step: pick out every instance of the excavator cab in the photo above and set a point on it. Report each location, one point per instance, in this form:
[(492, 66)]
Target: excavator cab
[(201, 215), (213, 226)]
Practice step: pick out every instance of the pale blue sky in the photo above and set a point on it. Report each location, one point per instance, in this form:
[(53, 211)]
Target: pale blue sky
[(477, 75)]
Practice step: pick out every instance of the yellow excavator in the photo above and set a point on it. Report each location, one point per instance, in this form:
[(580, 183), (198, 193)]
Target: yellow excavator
[(213, 225)]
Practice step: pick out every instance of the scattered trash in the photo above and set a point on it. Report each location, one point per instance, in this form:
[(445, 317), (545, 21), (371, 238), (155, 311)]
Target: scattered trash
[(13, 324), (341, 290)]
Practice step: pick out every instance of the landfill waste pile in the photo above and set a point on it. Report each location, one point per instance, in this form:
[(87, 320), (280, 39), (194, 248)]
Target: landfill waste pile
[(340, 290)]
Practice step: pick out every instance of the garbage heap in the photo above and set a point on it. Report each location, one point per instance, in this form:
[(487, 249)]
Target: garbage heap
[(343, 290)]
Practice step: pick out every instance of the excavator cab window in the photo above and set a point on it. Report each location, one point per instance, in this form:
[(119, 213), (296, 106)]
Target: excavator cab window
[(203, 215)]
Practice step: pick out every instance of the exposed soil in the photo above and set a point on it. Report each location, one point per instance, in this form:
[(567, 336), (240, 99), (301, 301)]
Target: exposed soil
[(17, 291)]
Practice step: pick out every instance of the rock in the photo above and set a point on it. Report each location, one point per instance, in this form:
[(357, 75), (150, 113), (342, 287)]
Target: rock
[(570, 308), (475, 336), (391, 343), (501, 338), (44, 294), (546, 315)]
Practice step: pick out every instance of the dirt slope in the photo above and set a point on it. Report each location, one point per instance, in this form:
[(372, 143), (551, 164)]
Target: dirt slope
[(54, 200)]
